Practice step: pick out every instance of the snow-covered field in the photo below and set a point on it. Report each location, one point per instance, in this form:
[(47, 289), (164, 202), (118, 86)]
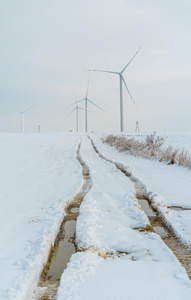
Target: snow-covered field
[(40, 174)]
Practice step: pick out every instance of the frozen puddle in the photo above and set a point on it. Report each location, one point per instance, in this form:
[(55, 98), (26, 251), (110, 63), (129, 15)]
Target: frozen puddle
[(64, 245)]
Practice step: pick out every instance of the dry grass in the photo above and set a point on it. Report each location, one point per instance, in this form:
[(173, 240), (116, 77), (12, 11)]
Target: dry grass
[(151, 148)]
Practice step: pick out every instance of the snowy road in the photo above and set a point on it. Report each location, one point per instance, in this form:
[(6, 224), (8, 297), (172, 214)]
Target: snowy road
[(117, 260), (119, 255)]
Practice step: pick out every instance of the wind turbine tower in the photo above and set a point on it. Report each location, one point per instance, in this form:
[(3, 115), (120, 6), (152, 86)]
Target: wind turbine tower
[(121, 81), (86, 107), (77, 111), (23, 119)]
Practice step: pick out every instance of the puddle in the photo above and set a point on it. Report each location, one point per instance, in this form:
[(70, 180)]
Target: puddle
[(75, 210), (64, 245), (162, 231), (146, 207), (63, 251)]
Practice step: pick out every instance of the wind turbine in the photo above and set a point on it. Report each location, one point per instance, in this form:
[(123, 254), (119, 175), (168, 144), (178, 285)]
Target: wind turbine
[(86, 107), (77, 110), (23, 118), (121, 81)]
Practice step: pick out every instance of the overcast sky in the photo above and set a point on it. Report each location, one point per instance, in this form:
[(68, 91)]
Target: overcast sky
[(45, 46)]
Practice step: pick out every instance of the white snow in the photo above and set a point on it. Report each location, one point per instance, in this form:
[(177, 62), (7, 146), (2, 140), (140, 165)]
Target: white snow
[(110, 208), (166, 185), (146, 269), (89, 276), (180, 221), (38, 175)]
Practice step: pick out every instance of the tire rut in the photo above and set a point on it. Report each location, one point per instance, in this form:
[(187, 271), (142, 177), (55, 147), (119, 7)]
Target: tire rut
[(158, 225), (49, 280)]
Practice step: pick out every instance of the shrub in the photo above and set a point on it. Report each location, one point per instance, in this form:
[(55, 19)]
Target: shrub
[(150, 148), (153, 143)]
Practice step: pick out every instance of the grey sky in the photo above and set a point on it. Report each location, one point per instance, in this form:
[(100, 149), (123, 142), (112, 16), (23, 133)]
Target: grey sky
[(46, 46)]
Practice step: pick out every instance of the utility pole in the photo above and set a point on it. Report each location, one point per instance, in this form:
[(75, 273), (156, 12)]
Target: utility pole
[(38, 128), (137, 127)]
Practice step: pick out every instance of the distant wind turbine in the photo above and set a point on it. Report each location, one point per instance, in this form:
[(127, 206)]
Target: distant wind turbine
[(77, 110), (23, 119), (121, 80), (86, 107)]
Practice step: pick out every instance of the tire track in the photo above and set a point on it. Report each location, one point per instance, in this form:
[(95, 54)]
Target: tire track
[(49, 281), (158, 225)]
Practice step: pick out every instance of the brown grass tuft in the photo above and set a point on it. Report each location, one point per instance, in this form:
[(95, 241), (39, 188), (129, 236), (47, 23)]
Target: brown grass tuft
[(151, 148)]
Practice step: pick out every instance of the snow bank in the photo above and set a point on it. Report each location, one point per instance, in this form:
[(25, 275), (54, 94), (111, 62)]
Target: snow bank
[(89, 276)]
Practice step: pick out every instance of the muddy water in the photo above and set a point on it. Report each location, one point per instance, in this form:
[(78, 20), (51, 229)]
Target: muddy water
[(182, 252), (64, 245), (63, 251), (146, 207)]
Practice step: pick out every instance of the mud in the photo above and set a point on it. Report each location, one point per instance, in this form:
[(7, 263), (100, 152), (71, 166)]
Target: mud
[(158, 225), (64, 245), (178, 208)]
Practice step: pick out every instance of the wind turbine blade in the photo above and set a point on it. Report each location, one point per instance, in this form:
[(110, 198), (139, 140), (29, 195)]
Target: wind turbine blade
[(84, 109), (28, 109), (95, 105), (102, 71), (70, 113), (128, 90), (80, 100), (130, 61), (74, 103)]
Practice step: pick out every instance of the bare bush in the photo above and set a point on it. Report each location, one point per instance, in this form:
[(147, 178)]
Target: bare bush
[(153, 143), (124, 144), (169, 155), (151, 148), (184, 158)]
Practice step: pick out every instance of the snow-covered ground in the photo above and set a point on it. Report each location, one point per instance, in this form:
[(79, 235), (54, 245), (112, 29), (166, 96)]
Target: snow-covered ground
[(38, 174), (166, 185), (109, 209), (89, 276), (143, 269)]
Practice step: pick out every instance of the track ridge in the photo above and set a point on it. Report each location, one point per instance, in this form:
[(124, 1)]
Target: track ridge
[(180, 250)]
